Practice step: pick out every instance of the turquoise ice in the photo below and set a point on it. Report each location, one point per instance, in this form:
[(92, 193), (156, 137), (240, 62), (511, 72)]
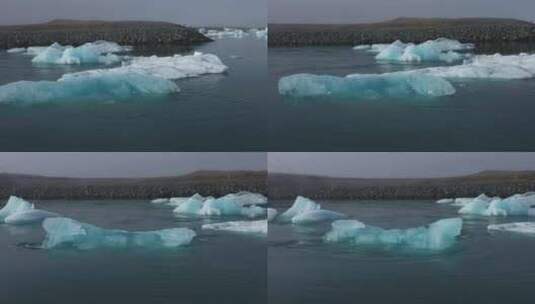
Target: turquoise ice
[(517, 204), (64, 232), (13, 206), (93, 87), (366, 86), (29, 217), (99, 52), (300, 205), (439, 235)]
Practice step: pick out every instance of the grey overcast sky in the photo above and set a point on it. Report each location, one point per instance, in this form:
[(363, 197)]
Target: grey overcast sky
[(190, 12), (357, 11), (382, 164), (121, 164)]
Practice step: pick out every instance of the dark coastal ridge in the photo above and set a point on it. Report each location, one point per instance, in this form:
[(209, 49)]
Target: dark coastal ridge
[(77, 32), (476, 30), (214, 183), (493, 183)]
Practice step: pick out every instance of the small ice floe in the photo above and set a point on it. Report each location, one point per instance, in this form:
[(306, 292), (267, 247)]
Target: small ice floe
[(20, 212), (519, 227), (64, 232), (254, 227), (439, 235)]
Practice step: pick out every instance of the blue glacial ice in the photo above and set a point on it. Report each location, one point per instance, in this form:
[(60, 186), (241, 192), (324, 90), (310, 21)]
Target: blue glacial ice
[(259, 227), (300, 205), (519, 227), (366, 86), (17, 211), (99, 52), (518, 204), (439, 235), (316, 216), (64, 232), (441, 49), (242, 203), (91, 87)]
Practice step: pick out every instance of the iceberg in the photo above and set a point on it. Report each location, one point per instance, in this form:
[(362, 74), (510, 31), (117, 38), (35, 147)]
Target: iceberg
[(518, 204), (64, 232), (462, 201), (254, 227), (271, 214), (441, 49), (171, 67), (315, 216), (520, 227), (100, 52), (191, 206), (300, 205), (220, 206), (29, 217), (365, 86), (13, 206), (246, 198), (439, 235), (91, 87)]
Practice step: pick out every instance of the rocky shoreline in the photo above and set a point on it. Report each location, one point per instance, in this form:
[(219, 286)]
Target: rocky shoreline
[(284, 186), (214, 183), (476, 30), (73, 32)]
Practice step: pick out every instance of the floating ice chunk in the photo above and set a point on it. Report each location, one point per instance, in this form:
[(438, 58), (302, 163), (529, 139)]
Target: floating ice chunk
[(365, 86), (478, 206), (343, 230), (437, 236), (254, 227), (315, 216), (260, 33), (160, 201), (246, 198), (445, 201), (496, 66), (13, 206), (173, 67), (99, 52), (520, 227), (29, 217), (441, 49), (220, 206), (362, 47), (271, 214), (16, 50), (462, 201), (90, 87), (191, 206), (300, 205), (65, 232)]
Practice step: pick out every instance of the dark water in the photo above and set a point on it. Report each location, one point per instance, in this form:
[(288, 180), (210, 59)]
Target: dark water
[(482, 268), (223, 112), (485, 115), (215, 268)]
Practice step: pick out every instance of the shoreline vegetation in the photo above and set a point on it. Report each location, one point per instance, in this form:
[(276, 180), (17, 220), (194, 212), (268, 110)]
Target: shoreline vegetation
[(492, 183), (215, 183), (475, 30), (78, 32)]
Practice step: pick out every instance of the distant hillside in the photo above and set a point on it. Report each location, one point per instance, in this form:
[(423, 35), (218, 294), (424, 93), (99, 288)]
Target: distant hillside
[(478, 30), (77, 32), (502, 183), (214, 183)]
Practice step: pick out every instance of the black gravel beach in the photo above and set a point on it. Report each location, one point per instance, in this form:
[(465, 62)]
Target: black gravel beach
[(76, 32), (477, 30)]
